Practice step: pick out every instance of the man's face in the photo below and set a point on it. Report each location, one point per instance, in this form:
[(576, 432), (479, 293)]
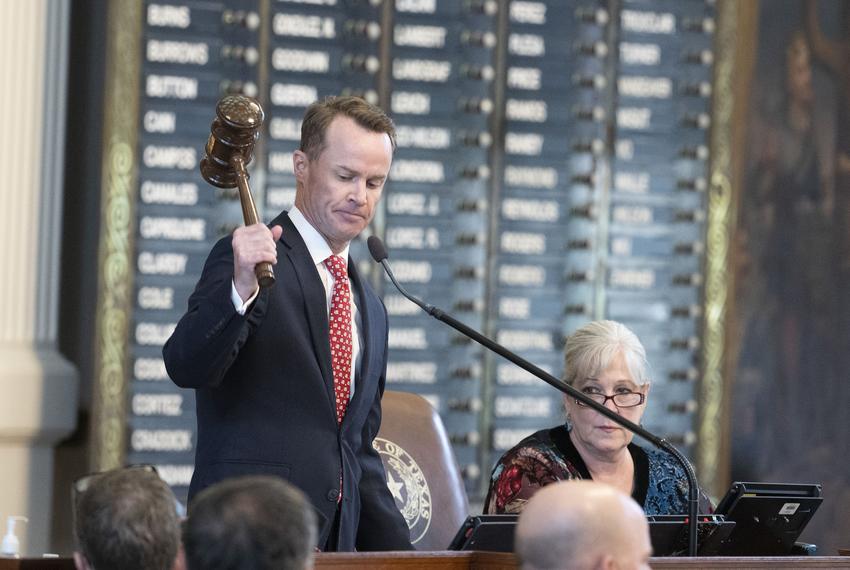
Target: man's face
[(339, 189)]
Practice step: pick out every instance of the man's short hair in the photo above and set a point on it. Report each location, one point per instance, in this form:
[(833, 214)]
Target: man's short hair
[(257, 522), (127, 519), (320, 114)]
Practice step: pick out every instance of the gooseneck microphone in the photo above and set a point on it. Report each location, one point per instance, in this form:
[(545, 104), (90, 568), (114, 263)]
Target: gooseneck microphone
[(229, 149), (379, 254)]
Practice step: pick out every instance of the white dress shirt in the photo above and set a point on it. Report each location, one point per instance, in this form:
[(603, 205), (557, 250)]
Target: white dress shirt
[(319, 251)]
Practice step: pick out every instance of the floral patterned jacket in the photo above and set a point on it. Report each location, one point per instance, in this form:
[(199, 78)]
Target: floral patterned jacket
[(549, 455)]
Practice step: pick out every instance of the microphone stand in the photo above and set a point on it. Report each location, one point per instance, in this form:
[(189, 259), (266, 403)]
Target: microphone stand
[(379, 254)]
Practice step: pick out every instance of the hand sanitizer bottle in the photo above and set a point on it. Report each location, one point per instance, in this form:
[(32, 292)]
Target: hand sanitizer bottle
[(11, 547)]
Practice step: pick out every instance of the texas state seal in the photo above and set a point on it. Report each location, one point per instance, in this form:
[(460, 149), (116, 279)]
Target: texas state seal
[(408, 486)]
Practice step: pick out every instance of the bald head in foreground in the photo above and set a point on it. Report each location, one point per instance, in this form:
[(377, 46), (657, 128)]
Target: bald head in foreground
[(582, 525)]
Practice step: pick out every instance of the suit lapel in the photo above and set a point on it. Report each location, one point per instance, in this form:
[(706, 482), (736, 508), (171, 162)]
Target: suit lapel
[(315, 302), (367, 348)]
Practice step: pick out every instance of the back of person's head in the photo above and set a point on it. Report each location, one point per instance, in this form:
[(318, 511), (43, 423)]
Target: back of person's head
[(126, 519), (256, 522), (582, 525)]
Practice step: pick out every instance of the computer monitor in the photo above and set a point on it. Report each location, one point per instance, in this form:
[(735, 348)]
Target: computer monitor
[(769, 517), (669, 534), (486, 532)]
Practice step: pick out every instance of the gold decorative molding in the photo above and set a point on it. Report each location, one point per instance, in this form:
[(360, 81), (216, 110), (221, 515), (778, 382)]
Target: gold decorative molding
[(734, 42), (118, 195)]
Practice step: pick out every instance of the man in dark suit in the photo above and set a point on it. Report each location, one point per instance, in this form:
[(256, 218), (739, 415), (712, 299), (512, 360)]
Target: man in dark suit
[(289, 378)]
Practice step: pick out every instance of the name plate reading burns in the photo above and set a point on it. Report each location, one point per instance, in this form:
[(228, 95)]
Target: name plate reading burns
[(525, 407), (530, 210), (522, 242), (166, 16), (413, 238), (412, 372), (181, 229), (522, 275), (150, 369), (420, 36), (153, 334), (161, 440), (408, 338), (525, 340), (168, 51), (304, 26), (171, 193), (417, 171), (429, 70), (157, 404)]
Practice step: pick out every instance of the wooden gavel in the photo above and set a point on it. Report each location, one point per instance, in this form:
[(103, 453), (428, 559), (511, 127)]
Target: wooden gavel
[(229, 149)]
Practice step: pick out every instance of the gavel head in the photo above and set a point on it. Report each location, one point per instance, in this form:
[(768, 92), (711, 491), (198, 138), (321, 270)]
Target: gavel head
[(233, 134)]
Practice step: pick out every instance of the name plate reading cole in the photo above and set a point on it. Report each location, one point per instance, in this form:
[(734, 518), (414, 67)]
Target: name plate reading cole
[(155, 298), (153, 334)]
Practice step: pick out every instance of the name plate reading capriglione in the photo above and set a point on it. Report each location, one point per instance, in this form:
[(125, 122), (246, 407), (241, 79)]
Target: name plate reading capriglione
[(161, 440), (304, 26), (301, 60), (641, 22), (171, 157), (523, 406), (519, 339), (411, 338), (413, 204), (170, 193), (157, 404), (419, 36), (406, 170), (165, 263), (513, 275), (153, 334), (178, 229), (179, 52), (413, 238), (523, 243), (149, 369), (423, 137), (412, 372), (531, 210), (428, 70)]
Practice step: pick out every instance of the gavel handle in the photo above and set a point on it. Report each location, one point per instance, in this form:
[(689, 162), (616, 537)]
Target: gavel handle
[(263, 270)]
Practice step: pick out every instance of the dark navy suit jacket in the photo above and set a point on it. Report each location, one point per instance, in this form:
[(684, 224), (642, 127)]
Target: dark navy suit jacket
[(265, 398)]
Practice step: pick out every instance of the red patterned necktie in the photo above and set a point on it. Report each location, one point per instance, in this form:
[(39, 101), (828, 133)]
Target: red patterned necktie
[(340, 333)]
